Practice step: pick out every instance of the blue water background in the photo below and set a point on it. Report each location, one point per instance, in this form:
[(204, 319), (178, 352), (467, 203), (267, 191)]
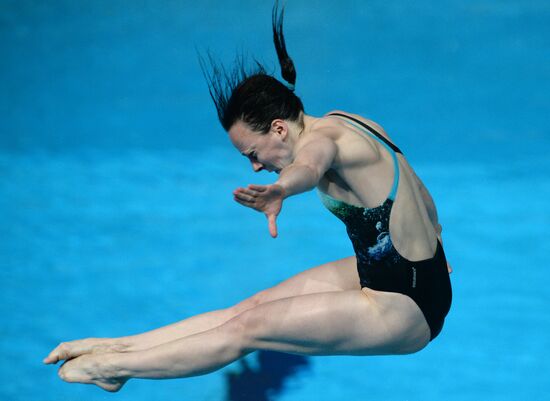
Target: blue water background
[(116, 213)]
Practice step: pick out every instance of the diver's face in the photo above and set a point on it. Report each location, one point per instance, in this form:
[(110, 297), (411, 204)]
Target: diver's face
[(264, 151)]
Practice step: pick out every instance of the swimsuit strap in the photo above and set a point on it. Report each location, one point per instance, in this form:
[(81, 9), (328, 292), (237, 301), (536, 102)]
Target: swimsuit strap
[(382, 140), (370, 129)]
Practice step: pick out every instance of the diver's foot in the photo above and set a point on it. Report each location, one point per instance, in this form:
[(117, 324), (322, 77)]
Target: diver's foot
[(92, 369), (72, 349)]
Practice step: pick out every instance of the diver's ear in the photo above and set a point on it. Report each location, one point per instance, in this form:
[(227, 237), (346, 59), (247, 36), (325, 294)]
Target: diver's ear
[(280, 128)]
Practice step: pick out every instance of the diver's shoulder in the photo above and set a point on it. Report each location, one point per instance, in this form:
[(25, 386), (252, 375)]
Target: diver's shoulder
[(367, 121)]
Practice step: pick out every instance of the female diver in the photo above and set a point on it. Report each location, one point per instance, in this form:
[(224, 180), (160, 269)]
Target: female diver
[(390, 298)]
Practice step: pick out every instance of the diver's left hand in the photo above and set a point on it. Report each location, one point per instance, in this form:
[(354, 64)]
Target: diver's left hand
[(267, 199)]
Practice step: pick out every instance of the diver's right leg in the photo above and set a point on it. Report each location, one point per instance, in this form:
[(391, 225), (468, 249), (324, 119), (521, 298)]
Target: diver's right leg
[(340, 275)]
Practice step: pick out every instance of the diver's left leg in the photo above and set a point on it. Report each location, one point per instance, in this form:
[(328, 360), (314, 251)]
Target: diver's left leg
[(341, 322), (339, 275)]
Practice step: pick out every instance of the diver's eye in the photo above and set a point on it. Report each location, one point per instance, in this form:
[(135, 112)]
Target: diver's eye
[(253, 156)]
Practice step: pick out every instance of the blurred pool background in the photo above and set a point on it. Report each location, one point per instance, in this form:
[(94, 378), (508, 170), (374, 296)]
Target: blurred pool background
[(115, 185)]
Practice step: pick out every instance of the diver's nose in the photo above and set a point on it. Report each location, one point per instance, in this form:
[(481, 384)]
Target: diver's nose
[(257, 166)]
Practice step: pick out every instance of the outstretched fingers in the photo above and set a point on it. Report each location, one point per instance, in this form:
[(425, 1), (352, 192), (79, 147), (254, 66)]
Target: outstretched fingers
[(257, 188), (248, 197), (244, 195)]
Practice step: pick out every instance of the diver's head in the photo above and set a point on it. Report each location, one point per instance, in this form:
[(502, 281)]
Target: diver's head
[(271, 150), (258, 100), (249, 94)]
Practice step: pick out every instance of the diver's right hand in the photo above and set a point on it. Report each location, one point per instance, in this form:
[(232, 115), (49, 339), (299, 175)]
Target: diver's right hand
[(267, 199)]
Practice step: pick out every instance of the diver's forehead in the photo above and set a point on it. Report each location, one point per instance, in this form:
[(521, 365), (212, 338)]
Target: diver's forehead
[(241, 136)]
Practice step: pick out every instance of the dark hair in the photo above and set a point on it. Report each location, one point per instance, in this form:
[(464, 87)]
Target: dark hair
[(249, 93)]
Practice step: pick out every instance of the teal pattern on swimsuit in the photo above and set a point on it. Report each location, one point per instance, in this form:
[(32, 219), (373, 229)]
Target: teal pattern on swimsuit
[(368, 228)]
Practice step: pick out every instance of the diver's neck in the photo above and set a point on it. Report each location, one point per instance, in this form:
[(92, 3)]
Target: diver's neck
[(299, 130), (307, 122)]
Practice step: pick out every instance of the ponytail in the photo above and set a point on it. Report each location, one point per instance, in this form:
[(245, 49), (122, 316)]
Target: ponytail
[(249, 94), (288, 72)]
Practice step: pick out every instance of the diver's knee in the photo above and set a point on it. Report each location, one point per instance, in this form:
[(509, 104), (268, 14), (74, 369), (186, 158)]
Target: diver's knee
[(249, 303), (245, 329), (237, 335)]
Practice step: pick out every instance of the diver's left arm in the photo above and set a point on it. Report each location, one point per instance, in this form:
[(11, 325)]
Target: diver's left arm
[(310, 163)]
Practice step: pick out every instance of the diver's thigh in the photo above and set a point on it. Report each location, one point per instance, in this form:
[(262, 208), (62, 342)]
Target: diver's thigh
[(339, 275)]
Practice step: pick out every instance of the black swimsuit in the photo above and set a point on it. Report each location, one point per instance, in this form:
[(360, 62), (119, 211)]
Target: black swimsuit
[(379, 264)]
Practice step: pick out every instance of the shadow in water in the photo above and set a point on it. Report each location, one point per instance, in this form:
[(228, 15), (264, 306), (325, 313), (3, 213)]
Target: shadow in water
[(265, 382)]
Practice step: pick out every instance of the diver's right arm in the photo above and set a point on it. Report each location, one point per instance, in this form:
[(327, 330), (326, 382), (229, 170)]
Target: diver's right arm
[(311, 162)]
